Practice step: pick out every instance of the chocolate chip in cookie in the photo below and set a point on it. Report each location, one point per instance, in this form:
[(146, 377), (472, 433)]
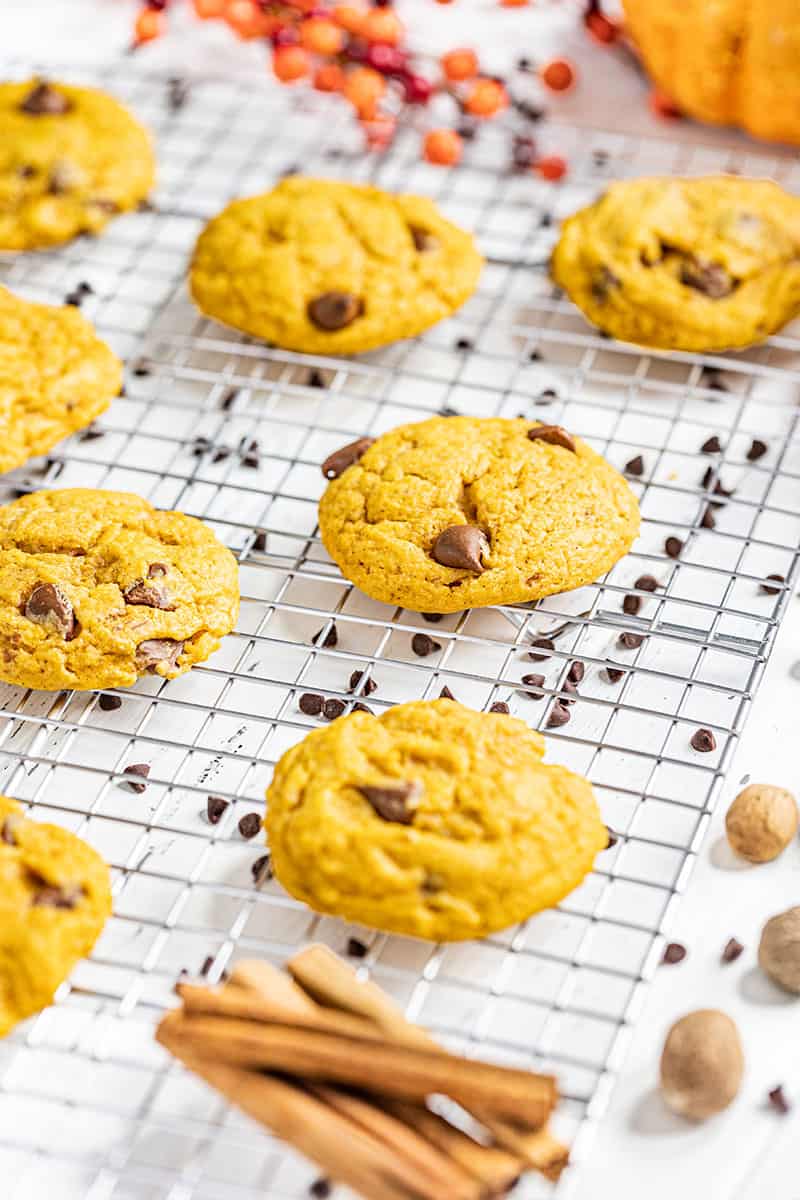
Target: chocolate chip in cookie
[(157, 650), (48, 606), (68, 895), (44, 101), (423, 240), (8, 829), (554, 435), (709, 278), (151, 595), (603, 283), (393, 802), (334, 310), (338, 462), (462, 547)]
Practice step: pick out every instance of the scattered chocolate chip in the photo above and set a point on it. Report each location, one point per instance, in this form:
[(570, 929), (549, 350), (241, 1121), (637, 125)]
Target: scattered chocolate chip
[(708, 520), (531, 112), (359, 707), (673, 547), (260, 542), (547, 397), (499, 706), (712, 380), (432, 618), (447, 411), (704, 741), (535, 681), (467, 130), (709, 278), (151, 595), (709, 475), (544, 644), (576, 672), (613, 838), (369, 685), (315, 379), (200, 446), (423, 645), (250, 825), (731, 950), (674, 952), (44, 101), (603, 282), (108, 703), (334, 310), (635, 466), (631, 605), (647, 583), (140, 769), (177, 93), (340, 460), (757, 450), (461, 547), (463, 344), (320, 1189), (66, 896), (249, 453), (630, 641), (157, 650), (330, 639), (208, 963), (768, 589), (554, 435), (261, 870), (446, 694), (311, 704), (48, 606), (8, 829), (229, 399), (711, 445), (559, 715), (141, 369), (333, 708), (569, 692), (215, 808), (356, 948), (393, 802), (778, 1100), (612, 674), (424, 241), (534, 356), (220, 454), (91, 434), (78, 294)]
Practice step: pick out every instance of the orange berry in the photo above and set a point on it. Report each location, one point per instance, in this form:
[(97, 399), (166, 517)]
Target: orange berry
[(662, 106), (349, 17), (149, 24), (321, 35), (329, 77), (514, 3), (245, 18), (486, 98), (552, 167), (558, 75), (382, 25), (290, 63), (208, 10), (459, 64), (443, 147), (364, 87)]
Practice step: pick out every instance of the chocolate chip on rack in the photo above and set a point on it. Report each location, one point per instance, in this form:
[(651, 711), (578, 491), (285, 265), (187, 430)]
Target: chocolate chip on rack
[(423, 645), (708, 520), (446, 694), (356, 948), (333, 708), (44, 101), (757, 450), (250, 825), (215, 809), (311, 704), (261, 870), (635, 466), (704, 741), (68, 895), (778, 1101), (711, 445), (462, 547), (334, 310), (338, 462), (673, 547), (142, 770), (108, 703), (157, 650), (499, 706), (769, 590), (423, 240), (545, 644), (330, 638), (554, 435), (674, 952), (630, 641), (47, 605), (535, 681), (612, 674), (631, 605), (709, 278), (646, 583), (368, 687), (393, 802), (559, 715), (576, 672)]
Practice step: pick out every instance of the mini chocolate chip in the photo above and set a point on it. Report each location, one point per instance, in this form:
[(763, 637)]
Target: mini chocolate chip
[(709, 475), (108, 703), (334, 310), (603, 282), (44, 101), (356, 948), (331, 637), (708, 520), (91, 434), (315, 379), (463, 344), (704, 741), (338, 462), (712, 380), (221, 454), (333, 708), (229, 399), (320, 1189), (424, 241), (569, 692), (674, 952), (249, 455), (215, 808), (250, 825), (778, 1100), (141, 369), (535, 681), (768, 589), (423, 645), (757, 450), (631, 605), (369, 687), (66, 896), (554, 435), (731, 950), (545, 644), (630, 641), (635, 466), (646, 583), (151, 595), (576, 672), (157, 650), (711, 445), (48, 606), (461, 547), (208, 963), (433, 618), (613, 838), (359, 707), (8, 829), (26, 171), (142, 770), (446, 694), (709, 278), (261, 870), (559, 715), (673, 547), (499, 706), (311, 704), (393, 802), (612, 674), (260, 541)]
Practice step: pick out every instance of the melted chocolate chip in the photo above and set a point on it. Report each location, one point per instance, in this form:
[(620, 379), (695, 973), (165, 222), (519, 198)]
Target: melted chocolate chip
[(44, 101), (369, 686), (673, 546), (157, 650), (554, 435), (559, 715), (338, 462), (635, 466), (48, 606), (731, 950), (334, 310), (250, 825), (704, 741), (151, 595), (142, 770), (499, 706), (356, 948), (260, 541), (461, 547), (311, 704), (674, 952), (215, 809), (423, 240), (393, 802), (423, 645), (709, 278)]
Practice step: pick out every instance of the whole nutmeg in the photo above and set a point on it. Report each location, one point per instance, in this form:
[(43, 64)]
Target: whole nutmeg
[(701, 1064), (779, 949), (761, 822)]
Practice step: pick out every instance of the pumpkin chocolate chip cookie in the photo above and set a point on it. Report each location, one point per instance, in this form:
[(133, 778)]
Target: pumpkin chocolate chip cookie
[(332, 268), (463, 512), (56, 376), (98, 588), (431, 820), (685, 264), (55, 897), (71, 158)]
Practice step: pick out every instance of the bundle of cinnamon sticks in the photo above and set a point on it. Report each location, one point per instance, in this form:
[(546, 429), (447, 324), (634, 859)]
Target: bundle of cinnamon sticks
[(330, 1064)]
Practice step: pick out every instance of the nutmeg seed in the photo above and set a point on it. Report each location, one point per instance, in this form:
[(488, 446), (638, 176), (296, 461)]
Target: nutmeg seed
[(701, 1064), (761, 822)]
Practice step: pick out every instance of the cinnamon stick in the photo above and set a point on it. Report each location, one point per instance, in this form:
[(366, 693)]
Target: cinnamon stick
[(497, 1170), (272, 1008)]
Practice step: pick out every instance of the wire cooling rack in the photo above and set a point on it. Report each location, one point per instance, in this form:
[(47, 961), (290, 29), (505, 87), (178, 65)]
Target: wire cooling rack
[(233, 432)]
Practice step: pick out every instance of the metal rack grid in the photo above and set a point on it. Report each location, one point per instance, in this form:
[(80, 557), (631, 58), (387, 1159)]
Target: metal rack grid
[(88, 1104)]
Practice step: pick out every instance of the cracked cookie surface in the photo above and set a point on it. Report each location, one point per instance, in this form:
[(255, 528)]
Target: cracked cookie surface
[(56, 376), (524, 515), (71, 158), (486, 834), (55, 897), (685, 264), (332, 268), (98, 588)]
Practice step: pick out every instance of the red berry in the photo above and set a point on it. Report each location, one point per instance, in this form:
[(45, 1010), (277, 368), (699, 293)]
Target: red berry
[(386, 59), (418, 89), (459, 64), (379, 131), (662, 106), (552, 167), (443, 147), (558, 75), (286, 35), (602, 28)]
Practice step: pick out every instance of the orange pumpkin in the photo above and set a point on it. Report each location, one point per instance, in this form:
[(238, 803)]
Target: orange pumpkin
[(730, 62)]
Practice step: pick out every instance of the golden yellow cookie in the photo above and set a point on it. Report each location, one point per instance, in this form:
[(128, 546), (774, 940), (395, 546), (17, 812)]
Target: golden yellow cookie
[(55, 897), (56, 376), (98, 588), (332, 268), (71, 158), (431, 820), (685, 264), (462, 512)]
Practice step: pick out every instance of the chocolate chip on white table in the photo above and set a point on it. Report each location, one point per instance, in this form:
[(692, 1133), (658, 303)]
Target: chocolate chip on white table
[(635, 466), (731, 950), (673, 547), (369, 686), (423, 645), (709, 278), (769, 590), (554, 435), (47, 605), (544, 644), (45, 101), (461, 547), (757, 450), (674, 953), (711, 445), (250, 825), (393, 802), (646, 583), (68, 896), (708, 520), (140, 771), (338, 462), (704, 741), (157, 650), (215, 809), (334, 310), (777, 1100)]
